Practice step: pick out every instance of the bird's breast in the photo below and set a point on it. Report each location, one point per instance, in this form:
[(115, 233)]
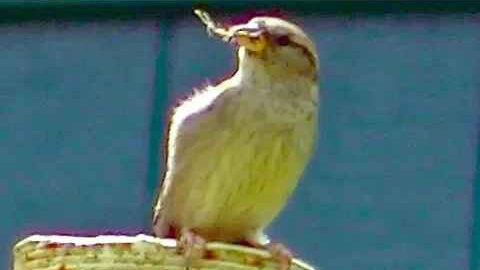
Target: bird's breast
[(236, 167)]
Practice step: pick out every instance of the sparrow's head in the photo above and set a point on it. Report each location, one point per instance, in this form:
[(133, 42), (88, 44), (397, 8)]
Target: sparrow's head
[(280, 47), (277, 43)]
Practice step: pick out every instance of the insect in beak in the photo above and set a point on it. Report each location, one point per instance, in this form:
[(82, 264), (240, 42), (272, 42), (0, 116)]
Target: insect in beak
[(252, 39)]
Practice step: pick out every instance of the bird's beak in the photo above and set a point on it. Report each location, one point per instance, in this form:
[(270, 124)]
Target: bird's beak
[(252, 39)]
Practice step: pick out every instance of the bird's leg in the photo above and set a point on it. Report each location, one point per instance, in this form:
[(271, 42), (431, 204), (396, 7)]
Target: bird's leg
[(278, 251), (191, 245)]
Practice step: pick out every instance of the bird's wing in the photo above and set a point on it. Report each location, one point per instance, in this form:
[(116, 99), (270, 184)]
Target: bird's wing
[(185, 122)]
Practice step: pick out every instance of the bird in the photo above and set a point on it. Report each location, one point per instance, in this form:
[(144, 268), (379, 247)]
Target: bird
[(236, 150)]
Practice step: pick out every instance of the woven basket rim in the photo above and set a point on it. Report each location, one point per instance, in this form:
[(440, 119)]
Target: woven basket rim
[(168, 244)]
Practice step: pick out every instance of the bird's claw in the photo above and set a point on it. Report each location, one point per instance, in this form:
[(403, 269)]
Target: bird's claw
[(192, 246), (281, 254)]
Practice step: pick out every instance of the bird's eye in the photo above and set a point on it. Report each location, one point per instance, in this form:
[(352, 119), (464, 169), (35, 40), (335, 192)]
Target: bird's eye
[(283, 40)]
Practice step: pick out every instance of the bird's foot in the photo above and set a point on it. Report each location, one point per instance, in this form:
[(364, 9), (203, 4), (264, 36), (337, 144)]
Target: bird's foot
[(192, 246), (281, 254)]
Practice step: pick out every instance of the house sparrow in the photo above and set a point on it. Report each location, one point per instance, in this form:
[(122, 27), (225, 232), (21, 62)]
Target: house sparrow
[(236, 150)]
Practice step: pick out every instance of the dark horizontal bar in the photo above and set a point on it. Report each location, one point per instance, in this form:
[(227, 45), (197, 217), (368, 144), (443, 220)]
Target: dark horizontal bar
[(78, 9)]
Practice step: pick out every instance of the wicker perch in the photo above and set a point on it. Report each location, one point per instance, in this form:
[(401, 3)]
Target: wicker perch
[(141, 252)]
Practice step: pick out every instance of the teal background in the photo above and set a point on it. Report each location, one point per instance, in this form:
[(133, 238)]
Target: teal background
[(85, 89)]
